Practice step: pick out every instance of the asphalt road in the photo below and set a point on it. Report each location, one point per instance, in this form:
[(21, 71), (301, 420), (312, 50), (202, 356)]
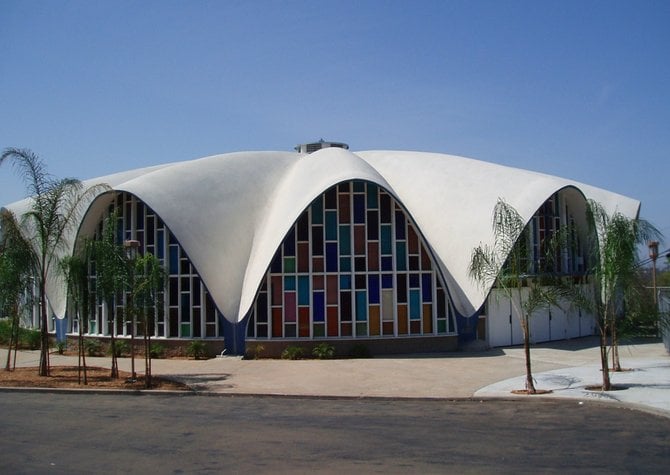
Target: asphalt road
[(86, 433)]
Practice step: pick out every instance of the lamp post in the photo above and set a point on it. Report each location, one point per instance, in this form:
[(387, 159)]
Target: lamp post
[(131, 246), (653, 255)]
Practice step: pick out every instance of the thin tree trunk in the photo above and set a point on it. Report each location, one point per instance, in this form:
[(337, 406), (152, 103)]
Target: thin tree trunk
[(13, 338), (616, 364), (603, 358), (530, 385), (44, 331), (114, 374)]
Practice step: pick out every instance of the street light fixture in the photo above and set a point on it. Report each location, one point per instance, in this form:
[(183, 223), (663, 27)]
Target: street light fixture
[(131, 246)]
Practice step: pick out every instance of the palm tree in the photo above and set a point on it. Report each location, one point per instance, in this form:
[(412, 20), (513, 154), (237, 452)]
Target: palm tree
[(111, 277), (75, 270), (616, 239), (16, 269), (505, 266), (55, 207), (149, 281)]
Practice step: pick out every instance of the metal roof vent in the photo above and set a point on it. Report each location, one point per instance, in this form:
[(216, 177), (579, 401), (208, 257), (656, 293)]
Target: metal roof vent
[(314, 146)]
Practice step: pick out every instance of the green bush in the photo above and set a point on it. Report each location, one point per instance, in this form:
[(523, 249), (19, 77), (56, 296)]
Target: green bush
[(5, 331), (323, 351), (359, 351), (157, 350), (61, 346), (122, 347), (30, 338), (254, 352), (93, 347), (196, 349), (292, 353)]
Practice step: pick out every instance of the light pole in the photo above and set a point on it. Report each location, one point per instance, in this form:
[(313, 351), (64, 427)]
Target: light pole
[(653, 255), (131, 247)]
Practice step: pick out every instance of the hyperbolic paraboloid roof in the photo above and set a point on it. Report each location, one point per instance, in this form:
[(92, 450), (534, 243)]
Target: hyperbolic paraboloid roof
[(230, 212)]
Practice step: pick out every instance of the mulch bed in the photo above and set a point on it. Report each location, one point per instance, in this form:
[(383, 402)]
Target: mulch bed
[(67, 377)]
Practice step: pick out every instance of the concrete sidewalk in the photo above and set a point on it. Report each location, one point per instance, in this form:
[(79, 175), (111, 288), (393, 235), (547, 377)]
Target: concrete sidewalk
[(564, 367)]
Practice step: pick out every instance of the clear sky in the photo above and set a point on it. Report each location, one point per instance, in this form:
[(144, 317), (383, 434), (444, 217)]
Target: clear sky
[(574, 88)]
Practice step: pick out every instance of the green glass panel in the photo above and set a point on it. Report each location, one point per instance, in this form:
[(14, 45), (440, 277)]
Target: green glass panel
[(331, 225), (317, 211), (386, 243), (401, 256), (359, 186), (361, 329), (289, 264), (319, 329), (345, 240), (345, 264), (372, 196), (414, 304), (185, 329), (441, 326)]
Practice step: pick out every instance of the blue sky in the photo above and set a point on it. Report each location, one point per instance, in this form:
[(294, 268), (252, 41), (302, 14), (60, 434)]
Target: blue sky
[(579, 89)]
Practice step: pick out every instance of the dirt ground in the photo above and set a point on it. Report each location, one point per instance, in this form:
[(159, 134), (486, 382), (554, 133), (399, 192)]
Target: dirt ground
[(68, 377)]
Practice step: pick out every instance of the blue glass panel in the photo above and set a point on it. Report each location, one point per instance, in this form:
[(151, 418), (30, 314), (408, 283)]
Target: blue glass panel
[(414, 281), (303, 290), (399, 225), (387, 263), (331, 257), (372, 196), (317, 211), (414, 304), (386, 242), (289, 282), (387, 281), (275, 266), (185, 307), (289, 243), (427, 287), (345, 282), (174, 259), (345, 264), (331, 225), (161, 244), (373, 288), (401, 258), (361, 306), (359, 208), (318, 307)]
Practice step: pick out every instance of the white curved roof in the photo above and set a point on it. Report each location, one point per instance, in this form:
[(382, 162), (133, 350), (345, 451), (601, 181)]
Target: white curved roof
[(231, 212)]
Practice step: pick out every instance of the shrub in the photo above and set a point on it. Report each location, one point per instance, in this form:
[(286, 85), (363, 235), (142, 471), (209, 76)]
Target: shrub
[(157, 350), (254, 352), (196, 349), (292, 353), (359, 351), (5, 331), (323, 351), (30, 338), (122, 347), (61, 346), (93, 347)]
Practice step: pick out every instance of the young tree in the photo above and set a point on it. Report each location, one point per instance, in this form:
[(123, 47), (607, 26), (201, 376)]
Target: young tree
[(75, 270), (111, 277), (505, 266), (148, 283), (16, 269), (55, 207), (615, 240)]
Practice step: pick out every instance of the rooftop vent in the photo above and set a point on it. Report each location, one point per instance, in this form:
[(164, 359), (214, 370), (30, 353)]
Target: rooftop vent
[(314, 146)]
